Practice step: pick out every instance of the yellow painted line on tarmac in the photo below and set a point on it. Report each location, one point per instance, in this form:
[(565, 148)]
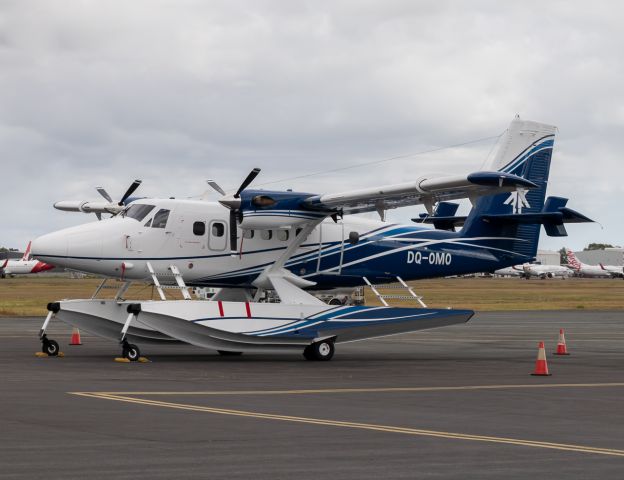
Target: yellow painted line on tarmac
[(361, 426), (365, 390)]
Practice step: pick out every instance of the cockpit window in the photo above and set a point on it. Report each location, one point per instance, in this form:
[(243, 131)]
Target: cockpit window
[(160, 219), (138, 211)]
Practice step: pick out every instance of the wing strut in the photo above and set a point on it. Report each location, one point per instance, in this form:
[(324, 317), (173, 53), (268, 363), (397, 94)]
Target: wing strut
[(288, 285)]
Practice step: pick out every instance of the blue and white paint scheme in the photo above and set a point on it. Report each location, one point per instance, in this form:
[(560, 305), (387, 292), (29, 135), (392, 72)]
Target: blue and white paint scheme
[(254, 240)]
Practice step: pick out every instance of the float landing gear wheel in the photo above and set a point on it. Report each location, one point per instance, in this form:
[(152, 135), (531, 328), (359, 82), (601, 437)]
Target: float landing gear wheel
[(228, 353), (131, 352), (50, 347), (322, 351)]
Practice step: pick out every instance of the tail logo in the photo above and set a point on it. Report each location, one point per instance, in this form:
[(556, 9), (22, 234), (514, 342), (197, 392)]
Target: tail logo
[(572, 260), (518, 200)]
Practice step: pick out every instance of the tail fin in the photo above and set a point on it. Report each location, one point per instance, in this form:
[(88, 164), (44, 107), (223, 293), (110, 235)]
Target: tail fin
[(572, 260), (26, 255), (525, 150)]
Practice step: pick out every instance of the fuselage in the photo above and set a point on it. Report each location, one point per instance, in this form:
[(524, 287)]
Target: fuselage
[(547, 271), (193, 235), (514, 271), (613, 270), (593, 271), (583, 270)]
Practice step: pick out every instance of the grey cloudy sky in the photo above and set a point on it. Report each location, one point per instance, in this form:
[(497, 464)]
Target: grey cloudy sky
[(174, 92)]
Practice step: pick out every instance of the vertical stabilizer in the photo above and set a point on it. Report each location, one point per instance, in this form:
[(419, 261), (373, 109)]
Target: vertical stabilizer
[(572, 260), (524, 150), (518, 141), (26, 255)]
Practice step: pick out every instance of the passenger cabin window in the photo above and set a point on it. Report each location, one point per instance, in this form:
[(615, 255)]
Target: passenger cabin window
[(199, 228), (138, 211), (160, 219), (282, 235), (218, 229), (248, 233), (266, 234)]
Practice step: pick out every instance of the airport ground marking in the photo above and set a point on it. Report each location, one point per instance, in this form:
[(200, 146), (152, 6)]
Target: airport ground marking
[(356, 425), (365, 390)]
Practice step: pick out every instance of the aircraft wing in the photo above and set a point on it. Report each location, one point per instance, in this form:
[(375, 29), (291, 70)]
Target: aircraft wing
[(425, 191)]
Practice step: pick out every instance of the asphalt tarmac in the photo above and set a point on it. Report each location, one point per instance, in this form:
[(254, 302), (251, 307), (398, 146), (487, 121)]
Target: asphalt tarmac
[(456, 402)]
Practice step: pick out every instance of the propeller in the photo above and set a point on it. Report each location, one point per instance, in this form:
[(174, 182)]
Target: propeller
[(233, 202), (129, 192), (102, 191), (216, 186), (250, 178)]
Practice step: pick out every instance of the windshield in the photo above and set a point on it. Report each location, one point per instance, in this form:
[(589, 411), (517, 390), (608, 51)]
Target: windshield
[(138, 211), (160, 219)]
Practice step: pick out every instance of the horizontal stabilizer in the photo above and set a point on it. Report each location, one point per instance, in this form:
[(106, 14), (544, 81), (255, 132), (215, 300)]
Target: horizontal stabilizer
[(444, 217), (553, 216)]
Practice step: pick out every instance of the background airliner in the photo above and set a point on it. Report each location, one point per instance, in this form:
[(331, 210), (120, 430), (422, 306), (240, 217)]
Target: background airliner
[(25, 265), (546, 271), (584, 270)]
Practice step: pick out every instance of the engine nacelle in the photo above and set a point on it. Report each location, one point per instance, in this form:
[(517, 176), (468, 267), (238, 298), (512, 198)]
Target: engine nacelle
[(88, 206), (264, 210), (267, 221)]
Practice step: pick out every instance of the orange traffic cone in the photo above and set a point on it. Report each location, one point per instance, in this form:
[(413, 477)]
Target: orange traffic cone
[(75, 338), (541, 368), (562, 348)]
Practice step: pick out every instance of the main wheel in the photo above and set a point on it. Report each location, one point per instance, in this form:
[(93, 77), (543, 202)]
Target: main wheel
[(131, 352), (51, 348), (322, 351), (228, 353)]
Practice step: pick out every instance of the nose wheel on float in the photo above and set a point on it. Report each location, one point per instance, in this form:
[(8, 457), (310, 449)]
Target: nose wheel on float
[(50, 347), (130, 351)]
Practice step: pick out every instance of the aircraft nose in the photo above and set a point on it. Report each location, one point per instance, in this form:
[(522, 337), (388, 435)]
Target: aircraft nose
[(49, 247)]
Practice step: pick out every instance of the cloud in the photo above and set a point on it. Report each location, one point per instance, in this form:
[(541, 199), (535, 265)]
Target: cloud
[(100, 93)]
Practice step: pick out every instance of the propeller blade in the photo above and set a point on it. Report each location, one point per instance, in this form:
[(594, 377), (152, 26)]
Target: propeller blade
[(233, 232), (216, 186), (130, 191), (250, 178), (104, 193)]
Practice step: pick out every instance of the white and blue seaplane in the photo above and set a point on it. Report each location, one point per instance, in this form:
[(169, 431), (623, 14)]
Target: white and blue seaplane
[(253, 241)]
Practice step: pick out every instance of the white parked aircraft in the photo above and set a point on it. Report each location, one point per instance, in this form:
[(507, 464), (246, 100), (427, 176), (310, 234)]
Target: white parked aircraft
[(257, 240), (584, 270), (545, 271), (24, 266), (514, 271), (614, 270)]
